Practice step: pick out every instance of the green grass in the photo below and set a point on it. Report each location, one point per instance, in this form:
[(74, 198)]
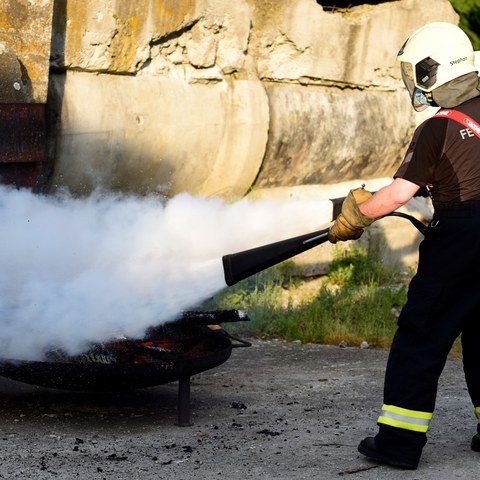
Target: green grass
[(356, 301)]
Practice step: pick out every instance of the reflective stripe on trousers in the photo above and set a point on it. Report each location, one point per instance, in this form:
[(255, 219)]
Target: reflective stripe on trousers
[(407, 419), (477, 413)]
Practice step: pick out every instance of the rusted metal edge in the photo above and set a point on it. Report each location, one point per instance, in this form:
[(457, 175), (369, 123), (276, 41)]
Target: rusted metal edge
[(22, 143), (22, 132)]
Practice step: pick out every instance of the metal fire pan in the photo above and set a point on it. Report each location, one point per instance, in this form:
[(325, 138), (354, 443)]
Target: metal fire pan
[(212, 349)]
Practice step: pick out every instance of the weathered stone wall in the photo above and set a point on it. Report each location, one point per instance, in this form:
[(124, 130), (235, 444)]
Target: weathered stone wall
[(146, 133), (338, 107), (155, 96), (213, 96), (25, 31)]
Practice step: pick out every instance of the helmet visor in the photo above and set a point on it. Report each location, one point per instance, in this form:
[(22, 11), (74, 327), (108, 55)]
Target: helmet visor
[(408, 80)]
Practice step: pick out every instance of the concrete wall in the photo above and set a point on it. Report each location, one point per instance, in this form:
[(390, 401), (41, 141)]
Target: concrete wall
[(159, 134), (214, 97)]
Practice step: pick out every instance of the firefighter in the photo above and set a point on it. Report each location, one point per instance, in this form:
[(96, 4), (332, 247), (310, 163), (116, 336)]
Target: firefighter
[(443, 302)]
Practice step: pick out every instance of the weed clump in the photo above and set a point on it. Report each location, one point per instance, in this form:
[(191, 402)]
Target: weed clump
[(357, 301)]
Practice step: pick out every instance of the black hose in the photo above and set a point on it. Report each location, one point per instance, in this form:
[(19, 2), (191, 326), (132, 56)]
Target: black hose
[(421, 227)]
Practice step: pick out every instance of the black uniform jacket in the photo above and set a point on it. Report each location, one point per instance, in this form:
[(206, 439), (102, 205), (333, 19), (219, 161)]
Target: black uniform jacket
[(444, 156)]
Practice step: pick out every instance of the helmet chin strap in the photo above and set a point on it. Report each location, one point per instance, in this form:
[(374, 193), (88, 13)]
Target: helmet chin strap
[(430, 100), (421, 100), (424, 98)]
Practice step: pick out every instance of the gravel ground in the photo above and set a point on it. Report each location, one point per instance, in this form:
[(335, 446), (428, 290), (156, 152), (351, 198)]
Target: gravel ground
[(273, 411)]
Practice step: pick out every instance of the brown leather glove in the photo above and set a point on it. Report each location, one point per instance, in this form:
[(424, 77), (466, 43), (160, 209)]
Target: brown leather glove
[(350, 223)]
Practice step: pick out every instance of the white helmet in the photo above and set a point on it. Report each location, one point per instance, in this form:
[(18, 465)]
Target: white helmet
[(432, 56)]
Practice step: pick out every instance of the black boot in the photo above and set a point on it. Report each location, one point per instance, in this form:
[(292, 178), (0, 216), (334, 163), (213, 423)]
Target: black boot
[(369, 448), (476, 443)]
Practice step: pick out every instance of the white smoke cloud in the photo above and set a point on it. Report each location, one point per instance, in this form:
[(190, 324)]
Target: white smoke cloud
[(81, 270)]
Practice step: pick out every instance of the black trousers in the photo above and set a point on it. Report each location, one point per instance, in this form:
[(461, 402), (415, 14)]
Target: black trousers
[(443, 302)]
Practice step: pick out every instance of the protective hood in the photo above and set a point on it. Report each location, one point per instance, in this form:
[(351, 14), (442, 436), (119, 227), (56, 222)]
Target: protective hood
[(457, 91)]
